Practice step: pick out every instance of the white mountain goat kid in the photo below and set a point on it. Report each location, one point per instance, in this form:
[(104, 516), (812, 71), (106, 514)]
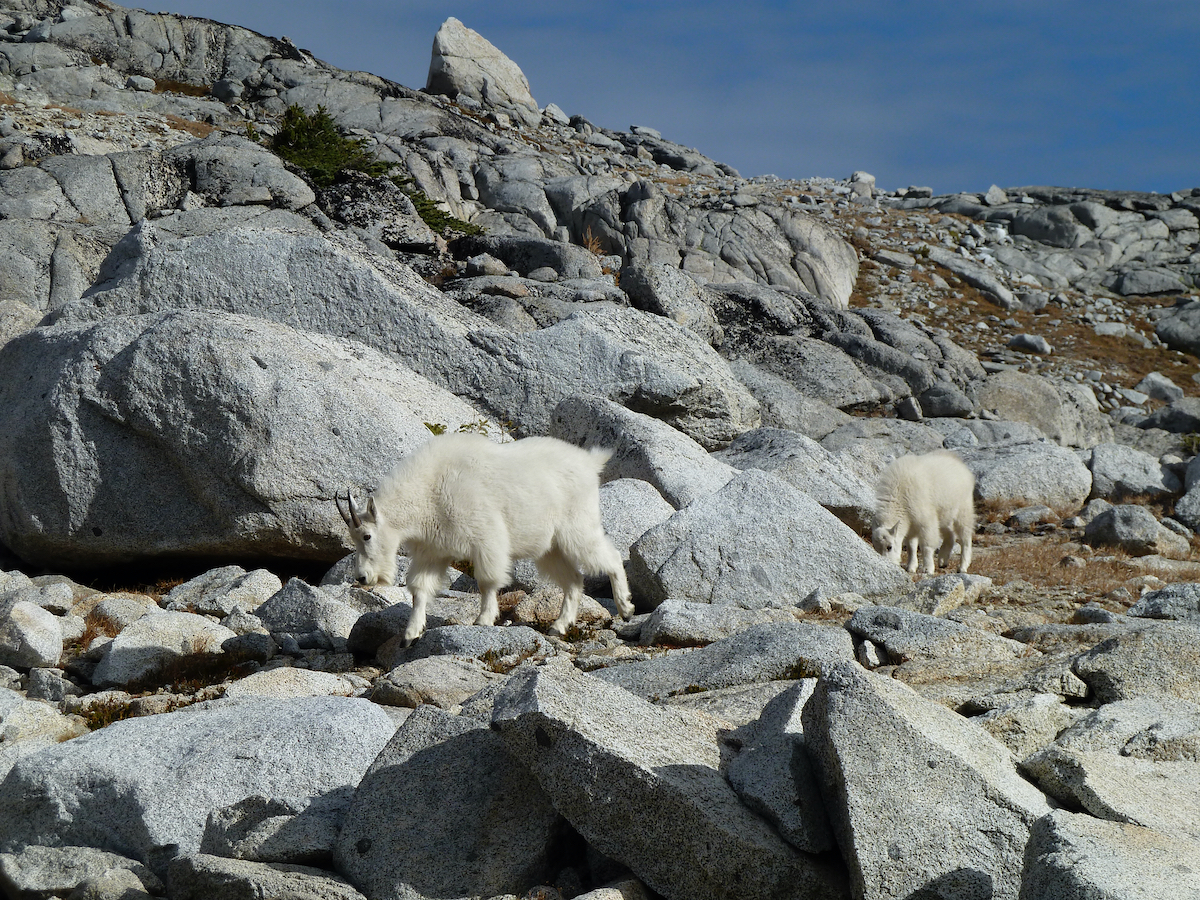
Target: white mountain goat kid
[(462, 497), (925, 502)]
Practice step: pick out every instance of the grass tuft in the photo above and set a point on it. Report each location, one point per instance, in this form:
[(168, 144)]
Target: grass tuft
[(102, 714)]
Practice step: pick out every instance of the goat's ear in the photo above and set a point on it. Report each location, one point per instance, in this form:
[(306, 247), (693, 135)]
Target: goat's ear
[(371, 513)]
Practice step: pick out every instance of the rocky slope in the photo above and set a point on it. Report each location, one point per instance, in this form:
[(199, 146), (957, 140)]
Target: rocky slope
[(202, 344)]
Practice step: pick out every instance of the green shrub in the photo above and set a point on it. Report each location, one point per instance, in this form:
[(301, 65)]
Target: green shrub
[(314, 144), (441, 222)]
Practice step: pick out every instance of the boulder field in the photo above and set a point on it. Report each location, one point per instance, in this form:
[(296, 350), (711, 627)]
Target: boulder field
[(202, 344)]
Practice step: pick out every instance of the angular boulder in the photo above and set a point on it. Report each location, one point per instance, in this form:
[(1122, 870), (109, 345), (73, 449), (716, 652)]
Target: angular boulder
[(1027, 473), (765, 652), (641, 361), (29, 635), (908, 635), (643, 447), (1159, 661), (807, 466), (465, 62), (1120, 472), (675, 821), (1135, 530), (154, 641), (773, 775), (1163, 795), (1075, 857), (446, 811), (922, 801), (201, 876), (1066, 413)]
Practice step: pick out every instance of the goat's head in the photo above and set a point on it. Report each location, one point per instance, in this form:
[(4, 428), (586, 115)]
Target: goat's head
[(887, 541), (374, 553)]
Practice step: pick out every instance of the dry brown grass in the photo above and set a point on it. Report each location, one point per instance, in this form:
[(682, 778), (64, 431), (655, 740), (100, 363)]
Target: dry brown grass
[(196, 129), (189, 674), (97, 624), (592, 242), (1050, 560), (1002, 510), (164, 85)]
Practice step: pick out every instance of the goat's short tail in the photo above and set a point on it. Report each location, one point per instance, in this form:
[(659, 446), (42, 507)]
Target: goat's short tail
[(600, 456)]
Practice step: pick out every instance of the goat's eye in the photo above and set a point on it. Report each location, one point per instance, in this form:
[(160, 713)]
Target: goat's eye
[(366, 537)]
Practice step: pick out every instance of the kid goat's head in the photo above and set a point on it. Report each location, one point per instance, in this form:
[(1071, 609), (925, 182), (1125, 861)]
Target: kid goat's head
[(374, 554), (887, 541)]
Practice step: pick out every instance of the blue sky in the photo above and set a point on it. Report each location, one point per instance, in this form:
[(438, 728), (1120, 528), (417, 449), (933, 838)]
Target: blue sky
[(951, 95)]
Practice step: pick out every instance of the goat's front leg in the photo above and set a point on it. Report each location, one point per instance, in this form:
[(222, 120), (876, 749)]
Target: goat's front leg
[(913, 545), (927, 559), (424, 580), (493, 570), (416, 621)]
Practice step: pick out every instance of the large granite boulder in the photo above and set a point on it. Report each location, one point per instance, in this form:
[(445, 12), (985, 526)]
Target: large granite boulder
[(196, 434), (756, 542), (933, 806), (465, 62), (406, 833), (145, 787)]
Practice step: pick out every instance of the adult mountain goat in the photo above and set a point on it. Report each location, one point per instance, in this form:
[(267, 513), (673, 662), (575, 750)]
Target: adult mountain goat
[(925, 502), (463, 497)]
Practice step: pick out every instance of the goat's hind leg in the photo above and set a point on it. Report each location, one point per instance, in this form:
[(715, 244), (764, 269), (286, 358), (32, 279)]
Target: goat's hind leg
[(595, 554), (947, 546), (964, 539), (612, 566), (555, 566)]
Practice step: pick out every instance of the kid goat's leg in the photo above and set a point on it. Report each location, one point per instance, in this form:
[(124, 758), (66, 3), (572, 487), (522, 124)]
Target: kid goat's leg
[(913, 544), (964, 539), (556, 567), (947, 547), (489, 604), (611, 565)]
